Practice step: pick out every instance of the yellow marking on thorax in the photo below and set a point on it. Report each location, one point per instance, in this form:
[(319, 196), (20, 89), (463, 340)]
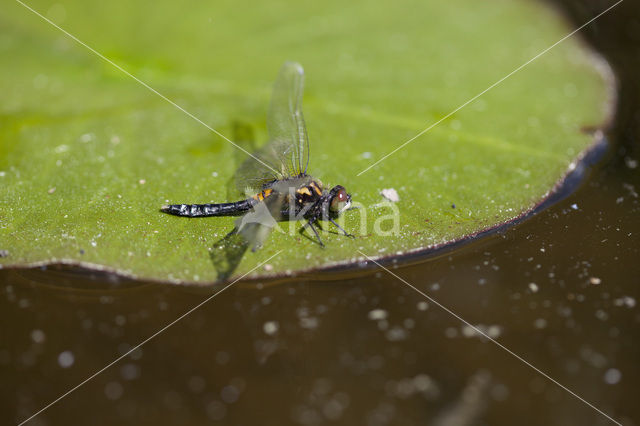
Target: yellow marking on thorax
[(304, 191), (264, 194), (315, 188)]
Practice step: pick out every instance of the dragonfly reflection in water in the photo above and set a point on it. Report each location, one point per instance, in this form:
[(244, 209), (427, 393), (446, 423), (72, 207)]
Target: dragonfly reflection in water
[(277, 174)]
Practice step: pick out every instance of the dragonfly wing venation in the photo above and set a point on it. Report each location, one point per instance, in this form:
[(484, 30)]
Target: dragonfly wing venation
[(285, 120), (287, 152)]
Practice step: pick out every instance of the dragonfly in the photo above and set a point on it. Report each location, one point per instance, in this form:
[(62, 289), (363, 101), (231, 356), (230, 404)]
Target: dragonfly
[(274, 179)]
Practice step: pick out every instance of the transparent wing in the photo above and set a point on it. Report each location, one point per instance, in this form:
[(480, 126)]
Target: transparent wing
[(285, 121), (256, 225), (287, 152)]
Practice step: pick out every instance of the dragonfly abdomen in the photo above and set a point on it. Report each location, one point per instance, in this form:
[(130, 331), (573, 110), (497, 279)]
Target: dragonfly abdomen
[(203, 210)]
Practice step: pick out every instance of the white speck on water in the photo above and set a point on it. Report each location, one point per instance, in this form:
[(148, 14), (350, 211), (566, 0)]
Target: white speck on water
[(51, 190), (366, 155), (61, 148), (229, 394), (216, 410), (37, 336), (594, 281), (422, 306), (115, 139), (435, 287), (142, 181), (214, 174), (540, 323), (268, 267), (627, 301), (135, 355), (93, 244), (468, 331), (130, 371), (333, 409), (612, 376), (2, 174), (602, 315), (105, 300), (574, 206), (396, 334), (494, 331), (270, 327), (533, 287), (66, 359), (377, 314), (309, 323), (630, 162), (113, 390), (390, 194), (631, 189)]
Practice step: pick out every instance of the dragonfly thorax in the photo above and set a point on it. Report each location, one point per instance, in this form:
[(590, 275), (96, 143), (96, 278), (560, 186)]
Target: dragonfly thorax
[(312, 202)]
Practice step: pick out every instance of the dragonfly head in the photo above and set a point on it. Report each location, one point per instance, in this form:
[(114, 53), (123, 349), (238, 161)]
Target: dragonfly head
[(339, 200)]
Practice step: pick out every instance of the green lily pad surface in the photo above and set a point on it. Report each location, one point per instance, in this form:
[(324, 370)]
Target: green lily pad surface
[(88, 155)]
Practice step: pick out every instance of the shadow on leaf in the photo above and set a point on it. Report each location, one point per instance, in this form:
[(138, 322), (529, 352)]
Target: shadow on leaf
[(227, 253)]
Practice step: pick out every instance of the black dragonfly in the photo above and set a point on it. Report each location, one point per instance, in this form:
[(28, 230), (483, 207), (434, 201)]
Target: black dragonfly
[(275, 177)]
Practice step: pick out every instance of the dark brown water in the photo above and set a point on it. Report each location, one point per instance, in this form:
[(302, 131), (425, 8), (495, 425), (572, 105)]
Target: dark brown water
[(560, 289)]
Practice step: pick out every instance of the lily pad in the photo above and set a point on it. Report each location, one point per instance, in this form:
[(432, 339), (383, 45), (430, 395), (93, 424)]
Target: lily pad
[(88, 155)]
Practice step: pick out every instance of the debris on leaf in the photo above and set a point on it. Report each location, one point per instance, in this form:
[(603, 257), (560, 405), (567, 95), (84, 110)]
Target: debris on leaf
[(390, 194)]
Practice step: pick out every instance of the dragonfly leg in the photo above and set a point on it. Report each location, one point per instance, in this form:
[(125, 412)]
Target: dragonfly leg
[(315, 231), (340, 228)]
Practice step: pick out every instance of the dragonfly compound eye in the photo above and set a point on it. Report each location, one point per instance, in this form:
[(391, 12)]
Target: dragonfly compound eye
[(340, 201)]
